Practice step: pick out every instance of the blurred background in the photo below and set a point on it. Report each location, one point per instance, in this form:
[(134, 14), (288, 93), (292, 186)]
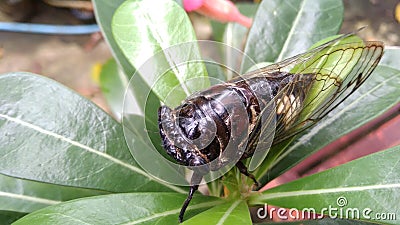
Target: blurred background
[(75, 61)]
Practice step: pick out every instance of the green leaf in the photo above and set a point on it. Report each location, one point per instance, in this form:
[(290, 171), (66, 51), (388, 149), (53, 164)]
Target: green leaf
[(104, 11), (146, 32), (232, 184), (379, 93), (26, 196), (215, 73), (131, 208), (391, 56), (230, 213), (7, 217), (50, 134), (235, 36), (112, 84), (370, 183), (282, 29), (152, 158)]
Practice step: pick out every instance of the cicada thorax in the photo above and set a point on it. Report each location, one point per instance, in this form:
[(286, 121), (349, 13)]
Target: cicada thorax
[(205, 124), (223, 123)]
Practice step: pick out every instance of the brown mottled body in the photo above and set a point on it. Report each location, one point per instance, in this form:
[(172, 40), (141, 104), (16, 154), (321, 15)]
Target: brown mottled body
[(215, 103), (218, 105)]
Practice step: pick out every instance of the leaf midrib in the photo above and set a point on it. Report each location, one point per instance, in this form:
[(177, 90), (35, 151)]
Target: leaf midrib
[(291, 31), (228, 212), (87, 148), (269, 196), (29, 198), (174, 211)]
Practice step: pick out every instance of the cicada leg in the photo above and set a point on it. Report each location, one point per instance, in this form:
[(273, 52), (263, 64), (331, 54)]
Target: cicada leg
[(195, 181), (243, 169)]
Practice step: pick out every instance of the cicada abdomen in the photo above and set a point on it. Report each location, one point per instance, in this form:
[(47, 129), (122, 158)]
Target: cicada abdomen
[(243, 117)]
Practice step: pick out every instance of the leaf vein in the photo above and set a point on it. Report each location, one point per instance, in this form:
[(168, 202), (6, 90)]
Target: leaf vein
[(29, 198), (228, 212), (87, 148)]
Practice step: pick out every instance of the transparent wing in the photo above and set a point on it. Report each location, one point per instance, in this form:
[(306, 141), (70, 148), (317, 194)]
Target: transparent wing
[(322, 83), (319, 80), (287, 64)]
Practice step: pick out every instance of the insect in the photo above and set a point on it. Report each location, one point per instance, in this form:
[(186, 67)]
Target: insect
[(295, 94)]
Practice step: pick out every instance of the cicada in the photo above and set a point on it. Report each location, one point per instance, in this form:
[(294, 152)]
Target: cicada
[(295, 94)]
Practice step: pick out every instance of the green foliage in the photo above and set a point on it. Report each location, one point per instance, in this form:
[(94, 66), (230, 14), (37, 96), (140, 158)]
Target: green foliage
[(139, 45), (65, 161), (229, 213), (140, 208), (365, 183), (282, 29)]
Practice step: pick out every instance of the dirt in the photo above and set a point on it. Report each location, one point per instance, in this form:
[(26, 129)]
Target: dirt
[(62, 58), (377, 15)]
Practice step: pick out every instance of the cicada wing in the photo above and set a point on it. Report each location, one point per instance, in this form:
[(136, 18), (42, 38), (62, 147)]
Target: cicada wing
[(289, 63), (336, 74), (263, 136), (320, 80), (282, 108)]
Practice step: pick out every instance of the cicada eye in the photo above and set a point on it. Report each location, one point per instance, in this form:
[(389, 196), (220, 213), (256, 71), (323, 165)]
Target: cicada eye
[(186, 110), (189, 121)]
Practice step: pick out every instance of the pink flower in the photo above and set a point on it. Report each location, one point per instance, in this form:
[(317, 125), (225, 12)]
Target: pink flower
[(221, 10)]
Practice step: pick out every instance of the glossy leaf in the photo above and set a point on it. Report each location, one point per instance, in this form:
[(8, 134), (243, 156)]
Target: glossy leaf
[(235, 36), (146, 32), (26, 196), (133, 208), (215, 73), (112, 84), (230, 213), (370, 183), (391, 56), (152, 158), (7, 217), (379, 92), (50, 134), (286, 28), (104, 11), (147, 103)]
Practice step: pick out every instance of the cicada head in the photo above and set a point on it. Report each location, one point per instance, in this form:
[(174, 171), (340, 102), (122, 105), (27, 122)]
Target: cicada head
[(177, 128)]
